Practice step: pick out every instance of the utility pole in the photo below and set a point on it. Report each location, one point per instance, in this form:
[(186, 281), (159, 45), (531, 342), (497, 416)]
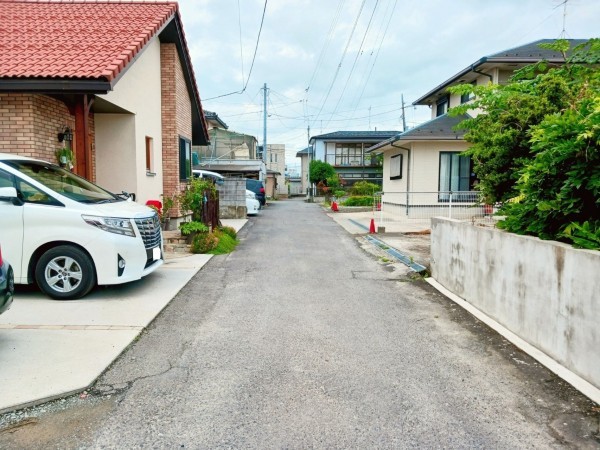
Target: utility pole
[(309, 160), (403, 116), (265, 131)]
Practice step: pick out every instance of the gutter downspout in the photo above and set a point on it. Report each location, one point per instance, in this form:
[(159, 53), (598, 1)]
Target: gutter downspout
[(482, 73)]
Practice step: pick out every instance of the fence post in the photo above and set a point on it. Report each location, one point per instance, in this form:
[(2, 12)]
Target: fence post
[(450, 206)]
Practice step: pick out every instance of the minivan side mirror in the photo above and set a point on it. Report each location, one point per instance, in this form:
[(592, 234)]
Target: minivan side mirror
[(10, 194)]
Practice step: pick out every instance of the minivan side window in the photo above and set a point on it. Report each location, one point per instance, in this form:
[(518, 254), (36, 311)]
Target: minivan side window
[(6, 179), (31, 194)]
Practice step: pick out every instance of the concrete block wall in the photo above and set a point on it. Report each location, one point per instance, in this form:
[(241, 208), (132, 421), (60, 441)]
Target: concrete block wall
[(546, 292), (232, 199)]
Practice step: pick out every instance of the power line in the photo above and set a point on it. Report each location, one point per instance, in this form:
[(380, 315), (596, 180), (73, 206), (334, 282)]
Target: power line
[(342, 58), (366, 82), (358, 53), (325, 46), (262, 20)]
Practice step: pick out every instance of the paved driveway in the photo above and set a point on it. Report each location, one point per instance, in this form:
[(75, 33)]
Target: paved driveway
[(49, 349)]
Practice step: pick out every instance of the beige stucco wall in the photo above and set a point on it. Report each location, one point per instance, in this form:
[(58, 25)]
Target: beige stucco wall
[(115, 133), (304, 173), (138, 91), (279, 166), (423, 165)]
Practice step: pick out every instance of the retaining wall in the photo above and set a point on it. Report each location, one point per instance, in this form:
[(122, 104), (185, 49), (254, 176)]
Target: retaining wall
[(546, 292)]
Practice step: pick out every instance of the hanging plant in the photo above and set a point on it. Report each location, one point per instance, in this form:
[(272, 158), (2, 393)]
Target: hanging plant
[(65, 157)]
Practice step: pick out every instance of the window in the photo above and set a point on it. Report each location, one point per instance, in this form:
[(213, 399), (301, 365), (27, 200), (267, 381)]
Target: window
[(6, 179), (149, 153), (396, 167), (185, 159), (346, 155), (456, 174), (464, 98), (442, 106)]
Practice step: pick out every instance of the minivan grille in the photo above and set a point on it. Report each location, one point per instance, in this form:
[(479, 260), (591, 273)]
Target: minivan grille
[(149, 228)]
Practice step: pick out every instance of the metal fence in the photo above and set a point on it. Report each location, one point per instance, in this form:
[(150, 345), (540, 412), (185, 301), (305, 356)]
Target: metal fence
[(420, 207)]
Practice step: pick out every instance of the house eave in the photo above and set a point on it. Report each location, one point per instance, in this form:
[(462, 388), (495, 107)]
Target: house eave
[(55, 85)]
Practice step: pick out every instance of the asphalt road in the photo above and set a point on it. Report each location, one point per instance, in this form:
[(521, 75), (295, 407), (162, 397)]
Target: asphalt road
[(302, 339)]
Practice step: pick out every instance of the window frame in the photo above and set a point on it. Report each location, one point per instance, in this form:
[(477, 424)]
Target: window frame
[(444, 103), (149, 154), (397, 176), (185, 146), (442, 191)]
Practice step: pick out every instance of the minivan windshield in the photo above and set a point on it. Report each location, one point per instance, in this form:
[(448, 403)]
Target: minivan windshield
[(63, 182)]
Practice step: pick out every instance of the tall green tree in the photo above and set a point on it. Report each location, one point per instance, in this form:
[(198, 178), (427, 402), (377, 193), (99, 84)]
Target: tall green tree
[(320, 171), (536, 146)]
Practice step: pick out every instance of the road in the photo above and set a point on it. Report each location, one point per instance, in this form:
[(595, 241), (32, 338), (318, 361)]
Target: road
[(302, 339)]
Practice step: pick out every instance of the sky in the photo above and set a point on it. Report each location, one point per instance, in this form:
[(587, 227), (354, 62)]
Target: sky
[(335, 65)]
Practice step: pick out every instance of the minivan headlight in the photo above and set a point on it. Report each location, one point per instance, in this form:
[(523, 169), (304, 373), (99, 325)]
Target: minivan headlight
[(115, 225)]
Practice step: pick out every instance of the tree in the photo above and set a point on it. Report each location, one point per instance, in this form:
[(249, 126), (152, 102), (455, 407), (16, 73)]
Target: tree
[(320, 171), (536, 146)]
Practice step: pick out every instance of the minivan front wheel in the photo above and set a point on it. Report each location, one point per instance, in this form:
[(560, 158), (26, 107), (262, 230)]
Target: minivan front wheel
[(65, 273)]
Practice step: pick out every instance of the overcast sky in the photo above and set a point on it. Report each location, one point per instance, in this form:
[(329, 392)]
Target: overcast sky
[(345, 64)]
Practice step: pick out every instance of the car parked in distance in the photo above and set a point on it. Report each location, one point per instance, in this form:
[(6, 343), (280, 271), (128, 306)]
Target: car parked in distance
[(258, 187), (252, 205), (7, 284), (207, 174), (68, 235)]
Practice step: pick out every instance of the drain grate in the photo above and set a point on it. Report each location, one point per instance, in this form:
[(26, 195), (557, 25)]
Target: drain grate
[(396, 254)]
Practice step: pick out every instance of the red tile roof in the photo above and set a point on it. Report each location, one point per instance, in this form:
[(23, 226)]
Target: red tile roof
[(75, 38)]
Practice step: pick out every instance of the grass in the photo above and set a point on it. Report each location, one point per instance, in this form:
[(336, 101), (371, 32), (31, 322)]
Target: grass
[(226, 244)]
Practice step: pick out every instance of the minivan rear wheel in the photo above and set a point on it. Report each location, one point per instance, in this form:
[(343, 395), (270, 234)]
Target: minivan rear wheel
[(65, 273)]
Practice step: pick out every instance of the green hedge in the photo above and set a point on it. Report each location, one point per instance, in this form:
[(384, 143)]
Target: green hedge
[(358, 200)]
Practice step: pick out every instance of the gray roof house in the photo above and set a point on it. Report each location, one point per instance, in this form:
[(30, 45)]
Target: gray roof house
[(427, 159), (345, 151)]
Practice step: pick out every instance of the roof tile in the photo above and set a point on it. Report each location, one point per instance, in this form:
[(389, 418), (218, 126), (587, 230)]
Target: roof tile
[(75, 38)]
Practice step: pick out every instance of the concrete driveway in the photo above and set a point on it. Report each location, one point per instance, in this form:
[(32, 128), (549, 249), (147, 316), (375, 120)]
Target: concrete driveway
[(50, 349)]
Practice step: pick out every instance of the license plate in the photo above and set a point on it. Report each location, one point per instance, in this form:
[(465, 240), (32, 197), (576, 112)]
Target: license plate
[(156, 253)]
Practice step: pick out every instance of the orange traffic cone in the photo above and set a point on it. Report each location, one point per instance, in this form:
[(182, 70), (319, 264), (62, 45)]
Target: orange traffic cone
[(334, 206), (372, 227)]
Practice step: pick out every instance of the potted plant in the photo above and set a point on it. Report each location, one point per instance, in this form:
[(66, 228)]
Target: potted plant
[(65, 157)]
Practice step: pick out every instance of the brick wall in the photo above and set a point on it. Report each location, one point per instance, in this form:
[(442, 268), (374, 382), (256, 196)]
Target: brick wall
[(176, 118), (30, 123)]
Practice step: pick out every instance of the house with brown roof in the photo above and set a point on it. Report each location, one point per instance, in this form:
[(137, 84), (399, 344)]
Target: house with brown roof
[(422, 165), (113, 81)]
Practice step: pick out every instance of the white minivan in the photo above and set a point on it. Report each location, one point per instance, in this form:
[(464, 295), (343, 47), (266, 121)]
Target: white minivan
[(67, 234)]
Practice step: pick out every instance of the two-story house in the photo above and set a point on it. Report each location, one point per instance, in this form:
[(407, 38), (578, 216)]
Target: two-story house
[(229, 153), (346, 152), (426, 161)]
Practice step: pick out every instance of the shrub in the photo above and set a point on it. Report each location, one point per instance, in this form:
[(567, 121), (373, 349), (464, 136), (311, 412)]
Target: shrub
[(188, 228), (195, 196), (226, 243), (358, 200), (365, 188), (204, 242), (339, 193), (230, 231)]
